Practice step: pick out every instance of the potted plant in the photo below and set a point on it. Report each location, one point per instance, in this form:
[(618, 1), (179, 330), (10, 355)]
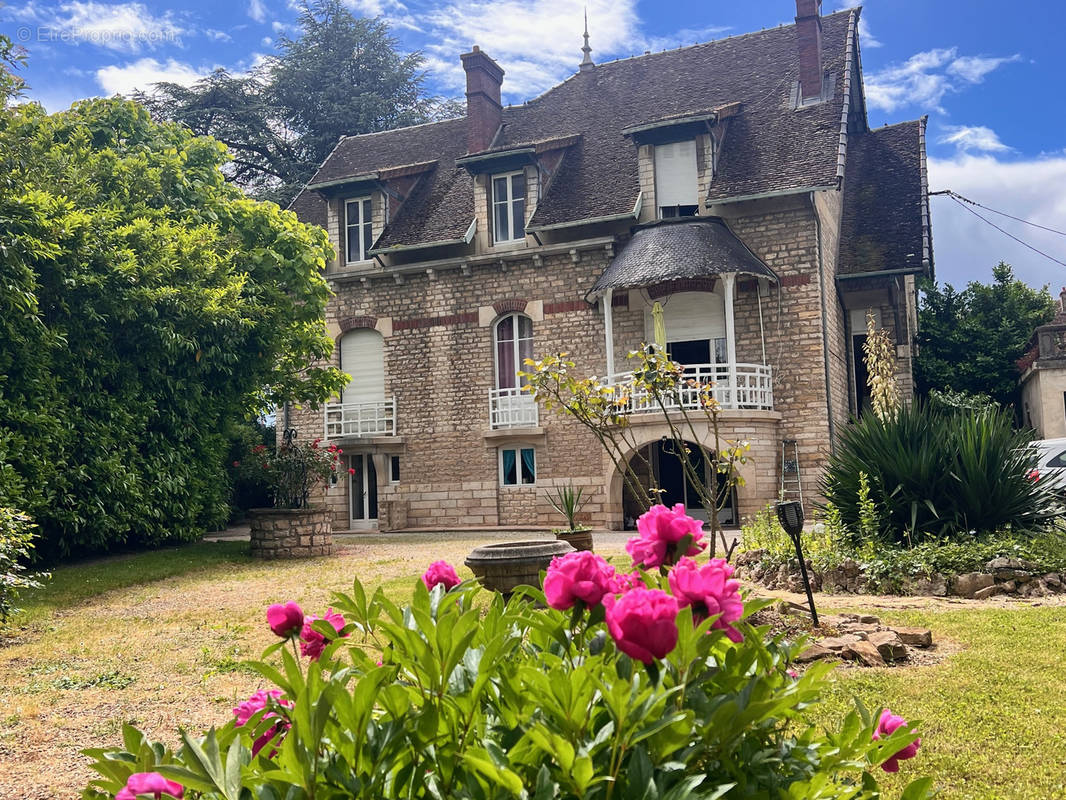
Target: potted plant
[(568, 501), (293, 528)]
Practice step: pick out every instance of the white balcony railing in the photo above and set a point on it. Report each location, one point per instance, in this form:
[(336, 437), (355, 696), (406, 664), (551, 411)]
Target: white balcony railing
[(512, 408), (735, 386), (370, 418)]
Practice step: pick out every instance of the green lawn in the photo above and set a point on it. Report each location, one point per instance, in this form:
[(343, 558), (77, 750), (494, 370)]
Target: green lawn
[(157, 639)]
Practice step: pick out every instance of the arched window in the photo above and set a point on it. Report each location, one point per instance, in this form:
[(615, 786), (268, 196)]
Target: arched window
[(514, 344), (363, 358)]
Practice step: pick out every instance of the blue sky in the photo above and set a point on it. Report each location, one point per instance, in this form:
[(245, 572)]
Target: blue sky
[(988, 74)]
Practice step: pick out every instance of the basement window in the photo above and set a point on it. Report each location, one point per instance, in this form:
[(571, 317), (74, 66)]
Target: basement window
[(676, 184)]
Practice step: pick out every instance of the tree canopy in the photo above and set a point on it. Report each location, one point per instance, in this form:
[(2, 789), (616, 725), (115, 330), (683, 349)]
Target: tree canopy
[(342, 75), (145, 303), (970, 340)]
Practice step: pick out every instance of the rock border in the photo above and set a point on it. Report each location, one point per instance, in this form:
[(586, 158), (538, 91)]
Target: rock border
[(1013, 577)]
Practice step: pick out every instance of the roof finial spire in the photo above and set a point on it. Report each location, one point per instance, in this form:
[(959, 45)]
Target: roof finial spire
[(586, 62)]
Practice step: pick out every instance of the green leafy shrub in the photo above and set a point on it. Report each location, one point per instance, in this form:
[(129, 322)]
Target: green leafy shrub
[(452, 697), (292, 471), (936, 473), (16, 545), (145, 303), (823, 542)]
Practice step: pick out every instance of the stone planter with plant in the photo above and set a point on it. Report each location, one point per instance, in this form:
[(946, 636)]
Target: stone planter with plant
[(569, 501), (293, 528)]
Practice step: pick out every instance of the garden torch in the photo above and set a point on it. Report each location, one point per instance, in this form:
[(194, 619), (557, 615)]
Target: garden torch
[(790, 514)]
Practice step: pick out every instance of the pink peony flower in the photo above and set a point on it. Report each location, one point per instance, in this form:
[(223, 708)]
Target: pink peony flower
[(886, 726), (285, 620), (709, 590), (312, 643), (623, 582), (580, 576), (150, 783), (440, 572), (256, 703), (661, 530), (643, 623)]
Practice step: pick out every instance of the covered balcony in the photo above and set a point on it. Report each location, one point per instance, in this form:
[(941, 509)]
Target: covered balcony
[(684, 273)]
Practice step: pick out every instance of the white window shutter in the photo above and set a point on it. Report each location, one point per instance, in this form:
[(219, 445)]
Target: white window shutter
[(693, 315), (363, 357), (675, 174)]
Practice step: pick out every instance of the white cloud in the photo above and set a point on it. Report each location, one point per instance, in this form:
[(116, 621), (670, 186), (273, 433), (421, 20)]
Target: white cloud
[(973, 137), (141, 74), (377, 8), (125, 27), (504, 29), (965, 248), (217, 36), (257, 10), (973, 69), (925, 78)]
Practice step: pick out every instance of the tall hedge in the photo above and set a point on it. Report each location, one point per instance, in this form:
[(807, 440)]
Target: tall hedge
[(144, 304)]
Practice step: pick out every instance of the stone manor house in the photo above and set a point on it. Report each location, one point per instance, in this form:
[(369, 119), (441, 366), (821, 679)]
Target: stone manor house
[(732, 192)]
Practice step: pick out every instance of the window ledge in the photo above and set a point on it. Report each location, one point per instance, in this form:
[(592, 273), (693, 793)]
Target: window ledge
[(506, 434)]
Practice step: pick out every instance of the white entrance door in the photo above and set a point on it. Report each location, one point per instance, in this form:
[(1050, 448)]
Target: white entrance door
[(362, 491)]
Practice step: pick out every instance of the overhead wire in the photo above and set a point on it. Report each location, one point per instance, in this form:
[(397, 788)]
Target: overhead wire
[(956, 198)]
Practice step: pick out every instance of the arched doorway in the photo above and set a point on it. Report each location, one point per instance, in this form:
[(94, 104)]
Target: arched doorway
[(659, 464)]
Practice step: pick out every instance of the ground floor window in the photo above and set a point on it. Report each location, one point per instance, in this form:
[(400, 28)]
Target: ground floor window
[(518, 466), (394, 469)]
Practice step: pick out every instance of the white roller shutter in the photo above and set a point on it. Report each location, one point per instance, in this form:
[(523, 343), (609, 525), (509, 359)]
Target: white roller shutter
[(694, 315), (675, 174), (363, 357)]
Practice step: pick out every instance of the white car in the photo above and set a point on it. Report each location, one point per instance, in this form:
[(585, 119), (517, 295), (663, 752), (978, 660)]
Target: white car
[(1051, 461)]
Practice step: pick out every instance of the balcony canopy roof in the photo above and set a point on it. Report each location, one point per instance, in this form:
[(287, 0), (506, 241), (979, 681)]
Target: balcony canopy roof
[(675, 249)]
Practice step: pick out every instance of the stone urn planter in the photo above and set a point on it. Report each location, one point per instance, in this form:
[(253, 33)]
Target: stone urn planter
[(291, 532), (579, 538), (502, 567)]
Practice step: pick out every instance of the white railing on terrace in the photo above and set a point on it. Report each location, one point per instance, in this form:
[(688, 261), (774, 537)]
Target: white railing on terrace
[(369, 418), (512, 408), (736, 386)]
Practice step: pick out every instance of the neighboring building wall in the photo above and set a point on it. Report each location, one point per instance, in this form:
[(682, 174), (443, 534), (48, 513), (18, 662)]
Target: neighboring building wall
[(1044, 400), (828, 206)]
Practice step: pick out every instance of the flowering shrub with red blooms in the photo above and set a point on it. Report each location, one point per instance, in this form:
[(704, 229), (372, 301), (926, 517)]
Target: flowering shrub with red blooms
[(285, 620), (887, 724), (579, 577), (441, 573), (293, 471), (663, 536), (710, 591), (313, 641), (260, 701), (459, 696), (149, 783)]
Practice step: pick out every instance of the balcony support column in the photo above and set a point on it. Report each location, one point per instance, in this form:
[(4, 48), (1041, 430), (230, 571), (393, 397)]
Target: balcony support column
[(608, 331), (729, 282)]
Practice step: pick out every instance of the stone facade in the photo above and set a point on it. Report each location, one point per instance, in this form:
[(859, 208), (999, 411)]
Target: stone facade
[(291, 533), (439, 365)]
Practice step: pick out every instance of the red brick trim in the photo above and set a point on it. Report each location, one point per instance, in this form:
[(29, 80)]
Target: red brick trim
[(795, 280), (351, 323), (431, 322), (683, 285), (566, 307), (505, 306)]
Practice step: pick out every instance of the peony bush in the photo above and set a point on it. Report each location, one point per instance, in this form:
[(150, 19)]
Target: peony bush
[(649, 685)]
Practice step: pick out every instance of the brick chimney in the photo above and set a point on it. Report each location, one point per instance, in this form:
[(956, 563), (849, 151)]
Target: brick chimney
[(484, 77), (809, 46)]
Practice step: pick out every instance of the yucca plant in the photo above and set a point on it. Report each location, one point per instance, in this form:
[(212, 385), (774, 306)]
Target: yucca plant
[(568, 501), (937, 473)]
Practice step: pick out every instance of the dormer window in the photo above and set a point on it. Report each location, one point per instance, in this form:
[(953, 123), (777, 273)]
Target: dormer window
[(676, 182), (358, 228), (509, 207)]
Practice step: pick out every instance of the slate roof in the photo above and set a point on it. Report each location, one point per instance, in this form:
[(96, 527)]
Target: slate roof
[(885, 222), (769, 146), (690, 247)]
